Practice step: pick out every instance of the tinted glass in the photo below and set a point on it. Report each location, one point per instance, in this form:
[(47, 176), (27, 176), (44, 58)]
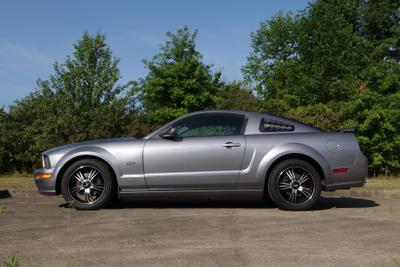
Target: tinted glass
[(210, 125)]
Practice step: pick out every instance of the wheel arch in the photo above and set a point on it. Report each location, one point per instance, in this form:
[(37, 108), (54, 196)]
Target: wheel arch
[(304, 157), (75, 159), (293, 151)]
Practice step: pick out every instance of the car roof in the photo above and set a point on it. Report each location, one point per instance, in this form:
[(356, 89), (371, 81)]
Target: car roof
[(232, 111)]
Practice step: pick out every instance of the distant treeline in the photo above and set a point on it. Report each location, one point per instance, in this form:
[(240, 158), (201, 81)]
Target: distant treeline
[(334, 65)]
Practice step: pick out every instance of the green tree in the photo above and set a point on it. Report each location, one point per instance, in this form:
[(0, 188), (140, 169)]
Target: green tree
[(3, 141), (80, 101), (336, 62), (90, 101), (316, 56), (237, 96), (31, 129), (377, 121), (320, 115), (178, 81)]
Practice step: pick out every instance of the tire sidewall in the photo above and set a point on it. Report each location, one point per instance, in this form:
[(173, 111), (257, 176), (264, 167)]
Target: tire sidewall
[(273, 190), (109, 186)]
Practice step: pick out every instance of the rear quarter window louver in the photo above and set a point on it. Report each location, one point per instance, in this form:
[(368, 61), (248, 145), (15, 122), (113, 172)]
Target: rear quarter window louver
[(268, 125)]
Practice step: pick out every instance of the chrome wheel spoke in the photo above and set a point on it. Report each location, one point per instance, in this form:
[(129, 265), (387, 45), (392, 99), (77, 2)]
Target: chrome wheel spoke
[(76, 190), (90, 197), (284, 186), (79, 176), (306, 192), (304, 178), (293, 196), (290, 174), (92, 174), (98, 188)]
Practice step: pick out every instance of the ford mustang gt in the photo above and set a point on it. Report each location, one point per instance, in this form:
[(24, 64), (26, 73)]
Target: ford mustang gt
[(208, 153)]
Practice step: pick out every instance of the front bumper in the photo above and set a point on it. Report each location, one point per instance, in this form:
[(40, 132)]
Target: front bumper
[(46, 186)]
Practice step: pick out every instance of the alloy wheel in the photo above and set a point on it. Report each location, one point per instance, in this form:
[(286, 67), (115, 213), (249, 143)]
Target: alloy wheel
[(296, 185), (86, 185)]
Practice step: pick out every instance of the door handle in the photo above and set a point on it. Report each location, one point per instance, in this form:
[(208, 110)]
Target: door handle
[(230, 144)]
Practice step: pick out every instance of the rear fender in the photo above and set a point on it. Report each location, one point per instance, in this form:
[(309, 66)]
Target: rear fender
[(287, 149)]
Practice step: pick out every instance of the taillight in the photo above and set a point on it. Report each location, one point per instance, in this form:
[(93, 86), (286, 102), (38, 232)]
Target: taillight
[(340, 170)]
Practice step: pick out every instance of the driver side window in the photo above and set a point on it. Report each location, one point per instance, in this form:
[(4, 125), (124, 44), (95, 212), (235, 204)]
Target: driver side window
[(210, 125)]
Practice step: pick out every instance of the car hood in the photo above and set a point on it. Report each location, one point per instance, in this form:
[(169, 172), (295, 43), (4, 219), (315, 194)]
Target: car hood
[(64, 148)]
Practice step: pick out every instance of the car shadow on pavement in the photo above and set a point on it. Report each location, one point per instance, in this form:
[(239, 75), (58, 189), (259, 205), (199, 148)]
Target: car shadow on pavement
[(324, 203), (345, 202), (214, 203)]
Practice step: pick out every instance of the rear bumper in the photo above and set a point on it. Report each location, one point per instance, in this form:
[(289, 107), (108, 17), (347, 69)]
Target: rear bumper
[(345, 185), (45, 186), (355, 177)]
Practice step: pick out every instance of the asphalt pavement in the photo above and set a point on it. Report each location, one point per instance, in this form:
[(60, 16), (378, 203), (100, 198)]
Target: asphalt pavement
[(341, 231)]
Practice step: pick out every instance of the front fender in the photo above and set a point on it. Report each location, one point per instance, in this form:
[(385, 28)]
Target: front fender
[(290, 148), (91, 151)]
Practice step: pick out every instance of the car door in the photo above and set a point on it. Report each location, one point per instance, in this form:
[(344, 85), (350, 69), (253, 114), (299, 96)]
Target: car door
[(206, 153)]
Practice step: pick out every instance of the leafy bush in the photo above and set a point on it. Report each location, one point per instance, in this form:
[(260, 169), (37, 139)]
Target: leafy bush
[(319, 115), (377, 122)]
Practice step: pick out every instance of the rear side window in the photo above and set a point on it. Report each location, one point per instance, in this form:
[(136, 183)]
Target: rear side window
[(210, 125), (268, 125)]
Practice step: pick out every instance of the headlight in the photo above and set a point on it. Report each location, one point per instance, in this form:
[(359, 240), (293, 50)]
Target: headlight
[(45, 162)]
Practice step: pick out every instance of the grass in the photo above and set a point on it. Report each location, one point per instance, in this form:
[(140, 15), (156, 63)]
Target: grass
[(396, 262), (66, 208), (382, 183), (17, 182), (13, 263), (2, 208)]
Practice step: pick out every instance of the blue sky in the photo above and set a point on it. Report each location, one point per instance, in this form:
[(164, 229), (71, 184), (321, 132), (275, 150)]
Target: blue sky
[(35, 34)]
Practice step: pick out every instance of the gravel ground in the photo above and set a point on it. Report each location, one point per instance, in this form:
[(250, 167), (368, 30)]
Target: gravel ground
[(341, 231)]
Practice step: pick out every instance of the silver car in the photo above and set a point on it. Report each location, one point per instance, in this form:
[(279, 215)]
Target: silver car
[(208, 153)]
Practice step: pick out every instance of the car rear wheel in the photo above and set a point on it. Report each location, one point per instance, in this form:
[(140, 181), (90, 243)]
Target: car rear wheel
[(294, 184), (88, 184)]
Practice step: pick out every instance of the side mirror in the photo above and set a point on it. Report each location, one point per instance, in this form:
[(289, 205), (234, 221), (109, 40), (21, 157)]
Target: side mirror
[(170, 134)]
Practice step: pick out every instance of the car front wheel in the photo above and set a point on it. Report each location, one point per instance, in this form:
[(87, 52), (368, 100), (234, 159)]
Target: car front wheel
[(88, 184), (294, 184)]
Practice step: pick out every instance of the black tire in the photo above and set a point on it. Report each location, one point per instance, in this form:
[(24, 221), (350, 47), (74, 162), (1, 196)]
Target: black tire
[(88, 194), (290, 189)]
